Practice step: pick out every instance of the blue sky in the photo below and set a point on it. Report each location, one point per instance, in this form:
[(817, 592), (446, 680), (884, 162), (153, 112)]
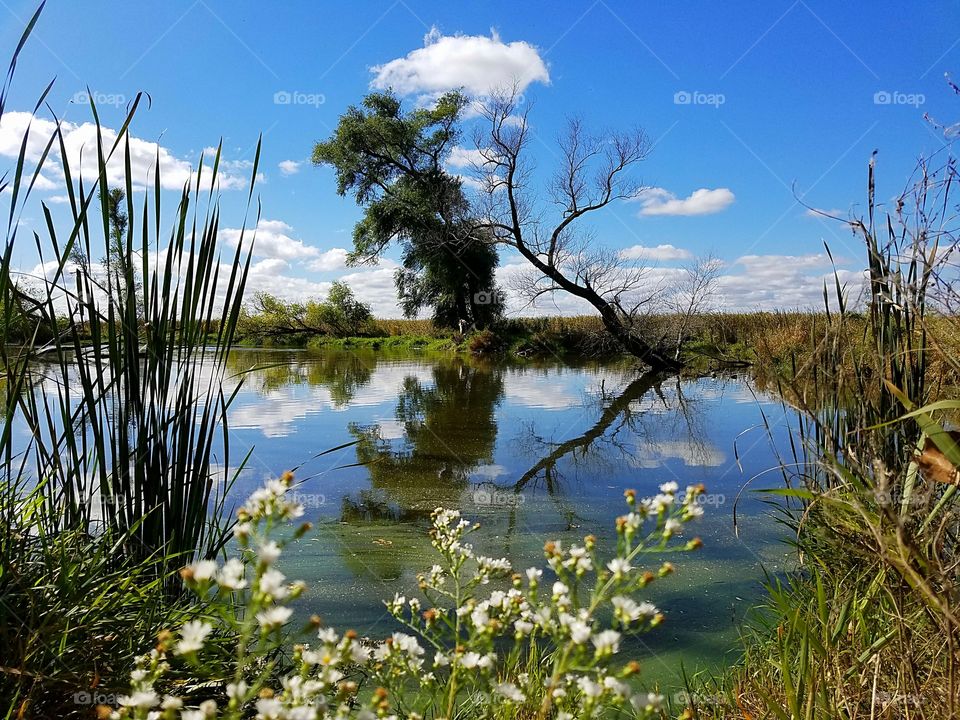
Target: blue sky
[(747, 103)]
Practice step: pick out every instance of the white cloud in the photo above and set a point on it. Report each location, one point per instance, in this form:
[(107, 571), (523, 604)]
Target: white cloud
[(478, 64), (748, 283), (376, 288), (657, 253), (272, 241), (654, 454), (461, 157), (785, 281), (334, 259), (821, 213), (80, 141), (289, 167), (657, 201)]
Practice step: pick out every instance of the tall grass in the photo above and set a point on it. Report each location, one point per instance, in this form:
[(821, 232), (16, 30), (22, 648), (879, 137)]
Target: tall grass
[(124, 405), (869, 626), (115, 455)]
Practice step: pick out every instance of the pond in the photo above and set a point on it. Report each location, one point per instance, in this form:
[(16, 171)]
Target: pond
[(533, 451)]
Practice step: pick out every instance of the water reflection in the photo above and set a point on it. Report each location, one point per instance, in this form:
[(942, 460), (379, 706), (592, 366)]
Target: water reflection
[(449, 430), (533, 451)]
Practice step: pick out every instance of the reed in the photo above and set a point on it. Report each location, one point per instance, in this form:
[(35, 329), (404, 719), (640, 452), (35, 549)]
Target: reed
[(868, 626), (125, 404)]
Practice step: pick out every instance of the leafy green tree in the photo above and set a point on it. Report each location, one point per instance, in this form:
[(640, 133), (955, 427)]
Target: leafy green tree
[(392, 161), (341, 314)]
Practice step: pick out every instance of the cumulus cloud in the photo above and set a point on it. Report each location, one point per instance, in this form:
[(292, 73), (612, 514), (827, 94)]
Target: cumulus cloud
[(80, 141), (284, 262), (822, 212), (376, 288), (289, 167), (273, 240), (334, 259), (748, 283), (658, 201), (785, 281), (478, 64), (658, 253)]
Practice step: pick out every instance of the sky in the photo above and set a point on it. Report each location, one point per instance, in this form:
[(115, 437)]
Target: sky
[(754, 111)]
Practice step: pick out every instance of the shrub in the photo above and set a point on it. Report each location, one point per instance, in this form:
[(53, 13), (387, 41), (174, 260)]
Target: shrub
[(485, 342)]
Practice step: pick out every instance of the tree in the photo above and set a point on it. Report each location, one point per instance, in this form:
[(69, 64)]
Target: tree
[(393, 163), (122, 280), (695, 295), (594, 172), (341, 314)]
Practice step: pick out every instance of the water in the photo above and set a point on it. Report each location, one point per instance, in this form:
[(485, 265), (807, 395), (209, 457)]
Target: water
[(534, 452)]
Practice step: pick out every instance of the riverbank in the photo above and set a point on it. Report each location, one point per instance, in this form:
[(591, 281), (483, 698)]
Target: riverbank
[(775, 344)]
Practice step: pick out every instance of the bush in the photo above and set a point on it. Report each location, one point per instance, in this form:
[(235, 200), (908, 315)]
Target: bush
[(485, 342), (272, 319)]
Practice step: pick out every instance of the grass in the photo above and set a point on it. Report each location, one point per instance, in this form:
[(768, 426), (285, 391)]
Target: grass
[(867, 628)]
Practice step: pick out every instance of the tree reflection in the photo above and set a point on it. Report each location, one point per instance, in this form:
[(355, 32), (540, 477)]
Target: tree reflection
[(342, 373), (619, 413), (449, 429)]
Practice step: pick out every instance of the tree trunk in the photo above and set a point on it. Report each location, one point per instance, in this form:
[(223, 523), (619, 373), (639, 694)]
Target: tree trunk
[(461, 304), (630, 342), (611, 321)]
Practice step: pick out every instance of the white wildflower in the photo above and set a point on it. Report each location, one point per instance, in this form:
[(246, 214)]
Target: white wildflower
[(237, 690), (619, 567), (231, 575), (142, 699), (590, 688), (607, 641), (269, 553), (407, 643), (192, 635), (579, 631), (272, 584), (510, 692), (202, 570), (327, 635), (274, 617)]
